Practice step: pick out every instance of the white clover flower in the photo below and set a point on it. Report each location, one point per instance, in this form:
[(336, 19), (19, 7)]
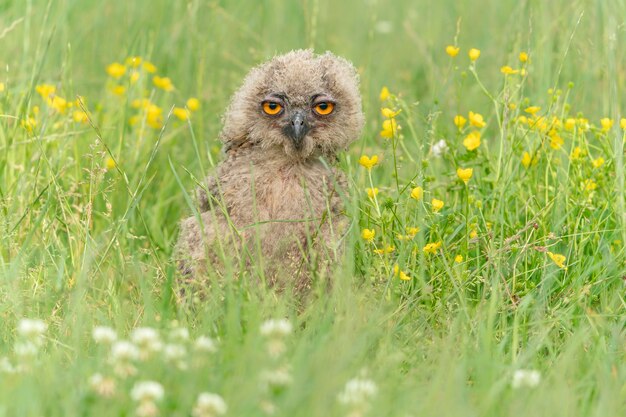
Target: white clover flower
[(101, 385), (147, 409), (276, 347), (268, 407), (209, 405), (439, 148), (142, 336), (276, 328), (147, 340), (383, 26), (26, 349), (179, 334), (280, 377), (205, 344), (124, 351), (31, 328), (147, 391), (526, 378), (6, 366), (174, 352), (104, 335), (358, 391)]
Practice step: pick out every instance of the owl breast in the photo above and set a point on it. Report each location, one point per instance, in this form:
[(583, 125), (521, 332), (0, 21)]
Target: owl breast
[(289, 194)]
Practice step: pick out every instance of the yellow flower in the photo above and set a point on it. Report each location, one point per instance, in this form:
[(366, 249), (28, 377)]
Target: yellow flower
[(1, 87), (437, 205), (528, 161), (472, 141), (606, 123), (583, 124), (539, 123), (412, 231), (164, 83), (193, 104), (116, 70), (180, 113), (154, 116), (432, 247), (458, 259), (384, 94), (29, 124), (459, 121), (133, 61), (577, 152), (590, 185), (110, 163), (388, 113), (570, 124), (559, 260), (384, 251), (368, 234), (508, 70), (143, 103), (523, 57), (404, 276), (465, 174), (556, 142), (368, 162), (622, 123), (417, 193), (149, 67), (532, 109), (474, 54), (118, 90), (371, 192), (452, 50), (45, 90), (58, 103), (476, 120), (399, 273), (390, 127), (598, 162), (134, 77), (80, 116)]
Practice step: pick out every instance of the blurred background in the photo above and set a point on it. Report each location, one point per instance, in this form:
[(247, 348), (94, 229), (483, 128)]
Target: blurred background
[(207, 46), (89, 209)]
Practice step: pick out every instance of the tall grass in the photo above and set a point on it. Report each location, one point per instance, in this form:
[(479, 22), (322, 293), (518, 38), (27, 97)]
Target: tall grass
[(90, 210)]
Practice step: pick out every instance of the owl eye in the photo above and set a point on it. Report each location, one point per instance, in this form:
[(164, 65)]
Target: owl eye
[(271, 107), (324, 108)]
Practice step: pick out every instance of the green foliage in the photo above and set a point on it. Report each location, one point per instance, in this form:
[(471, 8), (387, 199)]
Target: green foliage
[(525, 268)]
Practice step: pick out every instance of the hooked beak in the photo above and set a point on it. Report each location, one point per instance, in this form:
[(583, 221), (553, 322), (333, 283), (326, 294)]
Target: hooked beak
[(297, 128)]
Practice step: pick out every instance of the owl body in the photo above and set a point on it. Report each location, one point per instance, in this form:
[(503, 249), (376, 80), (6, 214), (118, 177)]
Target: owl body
[(275, 203)]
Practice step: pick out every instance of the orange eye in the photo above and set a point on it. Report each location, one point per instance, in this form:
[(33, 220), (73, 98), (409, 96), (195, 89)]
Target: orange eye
[(272, 108), (324, 108)]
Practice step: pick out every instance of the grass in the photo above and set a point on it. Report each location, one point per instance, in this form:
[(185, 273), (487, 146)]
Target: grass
[(89, 210)]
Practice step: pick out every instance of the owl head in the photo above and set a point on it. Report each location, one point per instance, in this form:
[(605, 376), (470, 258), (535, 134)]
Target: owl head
[(300, 103)]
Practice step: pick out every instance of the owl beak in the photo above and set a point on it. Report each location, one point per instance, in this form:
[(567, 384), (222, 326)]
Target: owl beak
[(297, 128)]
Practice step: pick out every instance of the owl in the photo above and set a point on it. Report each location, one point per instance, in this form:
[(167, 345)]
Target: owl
[(274, 205)]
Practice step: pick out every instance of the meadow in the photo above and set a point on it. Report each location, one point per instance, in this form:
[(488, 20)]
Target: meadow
[(484, 272)]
